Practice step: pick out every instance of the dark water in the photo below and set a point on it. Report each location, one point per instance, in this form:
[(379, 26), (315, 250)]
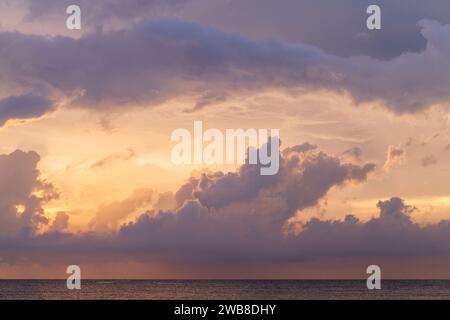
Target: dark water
[(227, 290)]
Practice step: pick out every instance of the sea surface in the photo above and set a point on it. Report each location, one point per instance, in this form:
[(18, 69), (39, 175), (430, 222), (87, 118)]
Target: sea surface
[(225, 289)]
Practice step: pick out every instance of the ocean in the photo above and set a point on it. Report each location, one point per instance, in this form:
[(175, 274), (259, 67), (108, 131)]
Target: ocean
[(224, 289)]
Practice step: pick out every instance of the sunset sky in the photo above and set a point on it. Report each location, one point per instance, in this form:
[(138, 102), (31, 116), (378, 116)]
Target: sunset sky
[(86, 118)]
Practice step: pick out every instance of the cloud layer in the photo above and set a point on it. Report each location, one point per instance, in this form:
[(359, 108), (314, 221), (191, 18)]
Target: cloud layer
[(233, 217), (161, 60)]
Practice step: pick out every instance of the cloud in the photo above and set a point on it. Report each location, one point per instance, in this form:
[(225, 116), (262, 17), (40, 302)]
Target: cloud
[(392, 233), (214, 223), (24, 107), (399, 30), (109, 216), (153, 62), (342, 33), (301, 148), (98, 14), (354, 153), (221, 216), (120, 156), (165, 202), (395, 155), (303, 179), (206, 100), (23, 193), (60, 223), (242, 215), (428, 161)]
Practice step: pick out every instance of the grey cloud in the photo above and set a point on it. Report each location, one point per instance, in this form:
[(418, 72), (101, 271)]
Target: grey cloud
[(239, 216), (161, 60), (251, 228), (60, 223), (211, 221), (392, 233), (337, 27), (24, 107), (22, 193), (96, 14), (195, 234), (339, 30), (302, 180)]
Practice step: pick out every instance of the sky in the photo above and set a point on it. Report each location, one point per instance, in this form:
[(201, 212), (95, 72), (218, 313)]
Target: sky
[(86, 118)]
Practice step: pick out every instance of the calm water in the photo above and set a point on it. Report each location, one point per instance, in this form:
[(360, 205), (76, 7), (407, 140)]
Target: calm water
[(150, 289)]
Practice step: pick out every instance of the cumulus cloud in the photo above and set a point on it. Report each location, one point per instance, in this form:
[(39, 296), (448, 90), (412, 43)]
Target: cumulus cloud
[(243, 214), (156, 61), (211, 222), (303, 178), (60, 223), (22, 193), (392, 233), (109, 216), (202, 235), (217, 215)]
